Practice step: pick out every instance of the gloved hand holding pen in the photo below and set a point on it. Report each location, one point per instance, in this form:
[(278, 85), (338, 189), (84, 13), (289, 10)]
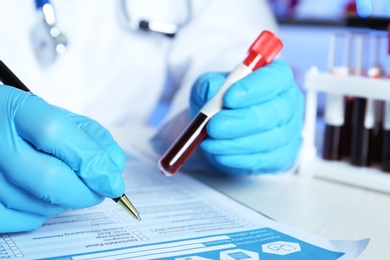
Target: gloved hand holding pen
[(259, 129), (51, 160)]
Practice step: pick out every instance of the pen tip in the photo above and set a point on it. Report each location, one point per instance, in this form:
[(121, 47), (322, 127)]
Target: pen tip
[(126, 204)]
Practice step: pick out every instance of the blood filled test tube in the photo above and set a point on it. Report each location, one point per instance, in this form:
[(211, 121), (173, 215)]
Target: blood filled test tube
[(374, 108), (346, 129), (334, 120), (260, 53), (386, 119), (386, 138), (360, 133), (335, 105)]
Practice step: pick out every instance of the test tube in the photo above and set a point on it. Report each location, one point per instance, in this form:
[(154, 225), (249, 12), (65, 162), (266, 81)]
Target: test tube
[(334, 105), (261, 52), (386, 119), (346, 129), (360, 134), (374, 108)]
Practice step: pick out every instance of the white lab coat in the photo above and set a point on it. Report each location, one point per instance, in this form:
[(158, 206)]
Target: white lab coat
[(116, 76)]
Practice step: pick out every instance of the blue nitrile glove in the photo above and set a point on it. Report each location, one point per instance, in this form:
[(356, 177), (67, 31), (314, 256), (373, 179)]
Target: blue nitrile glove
[(51, 160), (259, 130)]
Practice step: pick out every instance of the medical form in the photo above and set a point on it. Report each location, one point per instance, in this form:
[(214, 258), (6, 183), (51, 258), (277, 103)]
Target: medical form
[(182, 218)]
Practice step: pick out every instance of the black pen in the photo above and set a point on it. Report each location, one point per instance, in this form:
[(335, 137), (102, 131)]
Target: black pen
[(9, 78)]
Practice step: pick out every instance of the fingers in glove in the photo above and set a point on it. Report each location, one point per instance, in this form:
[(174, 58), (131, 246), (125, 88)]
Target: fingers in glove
[(232, 123), (14, 197), (17, 221), (46, 177), (52, 131), (274, 161), (259, 142), (260, 86)]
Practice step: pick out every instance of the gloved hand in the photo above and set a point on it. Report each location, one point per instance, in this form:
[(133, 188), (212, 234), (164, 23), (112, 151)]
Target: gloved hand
[(51, 160), (259, 130)]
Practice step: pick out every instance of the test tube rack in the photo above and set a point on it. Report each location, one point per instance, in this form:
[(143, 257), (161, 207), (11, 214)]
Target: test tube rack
[(311, 163)]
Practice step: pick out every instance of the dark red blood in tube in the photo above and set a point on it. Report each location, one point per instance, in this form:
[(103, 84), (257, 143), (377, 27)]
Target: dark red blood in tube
[(332, 142), (386, 132), (182, 148), (386, 151)]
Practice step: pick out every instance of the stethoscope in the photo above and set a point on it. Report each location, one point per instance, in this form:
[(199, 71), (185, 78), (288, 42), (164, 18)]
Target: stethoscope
[(49, 41), (159, 27)]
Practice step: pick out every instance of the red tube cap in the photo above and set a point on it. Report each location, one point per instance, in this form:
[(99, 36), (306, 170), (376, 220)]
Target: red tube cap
[(267, 45)]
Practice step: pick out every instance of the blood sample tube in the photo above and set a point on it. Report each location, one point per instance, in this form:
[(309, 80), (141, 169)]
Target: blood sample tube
[(334, 106), (346, 129), (261, 52), (386, 138), (374, 108), (386, 120), (360, 133)]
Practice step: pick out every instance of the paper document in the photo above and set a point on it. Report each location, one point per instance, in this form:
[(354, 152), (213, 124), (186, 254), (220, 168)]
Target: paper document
[(182, 219)]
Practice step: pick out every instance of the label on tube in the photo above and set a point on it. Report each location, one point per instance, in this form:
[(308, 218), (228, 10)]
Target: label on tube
[(334, 110)]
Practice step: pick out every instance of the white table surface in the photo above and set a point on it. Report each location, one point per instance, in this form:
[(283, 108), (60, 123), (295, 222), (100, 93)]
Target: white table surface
[(328, 209), (324, 208)]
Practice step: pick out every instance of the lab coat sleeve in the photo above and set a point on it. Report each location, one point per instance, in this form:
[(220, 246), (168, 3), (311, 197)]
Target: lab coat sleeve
[(216, 39)]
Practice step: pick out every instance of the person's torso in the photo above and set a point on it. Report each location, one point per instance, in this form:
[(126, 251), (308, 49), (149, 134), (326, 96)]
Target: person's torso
[(108, 72)]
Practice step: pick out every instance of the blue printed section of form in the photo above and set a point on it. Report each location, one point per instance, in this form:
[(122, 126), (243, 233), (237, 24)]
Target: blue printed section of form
[(181, 219)]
